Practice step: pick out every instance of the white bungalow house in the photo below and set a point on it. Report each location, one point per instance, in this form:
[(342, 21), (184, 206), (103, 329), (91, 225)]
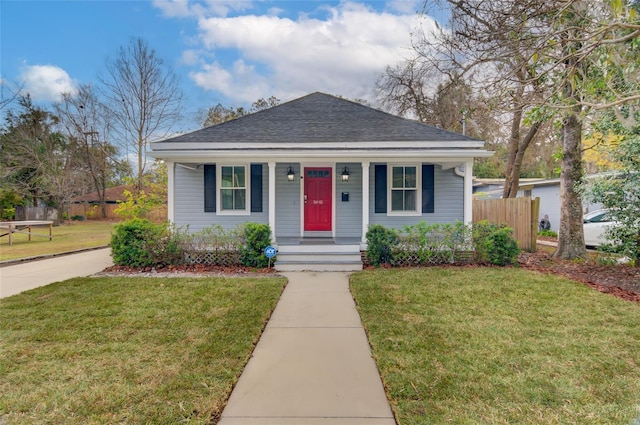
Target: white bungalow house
[(319, 170)]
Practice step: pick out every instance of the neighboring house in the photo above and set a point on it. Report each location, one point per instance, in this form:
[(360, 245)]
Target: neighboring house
[(88, 205), (113, 195), (319, 166), (549, 193), (547, 190)]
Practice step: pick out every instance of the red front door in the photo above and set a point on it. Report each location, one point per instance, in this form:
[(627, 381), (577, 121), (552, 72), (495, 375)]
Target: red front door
[(317, 199)]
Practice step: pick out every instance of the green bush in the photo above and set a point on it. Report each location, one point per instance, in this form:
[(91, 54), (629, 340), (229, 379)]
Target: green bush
[(214, 245), (77, 217), (141, 243), (495, 244), (8, 213), (422, 243), (257, 238), (380, 242), (548, 233)]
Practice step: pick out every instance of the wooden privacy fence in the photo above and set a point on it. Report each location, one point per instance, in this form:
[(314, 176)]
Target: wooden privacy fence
[(520, 214), (92, 212)]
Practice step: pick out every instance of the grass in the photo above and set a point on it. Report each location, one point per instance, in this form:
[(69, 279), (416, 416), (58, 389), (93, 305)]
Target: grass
[(66, 237), (500, 346), (128, 350)]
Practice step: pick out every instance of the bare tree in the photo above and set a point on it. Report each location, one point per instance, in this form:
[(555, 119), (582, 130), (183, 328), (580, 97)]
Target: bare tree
[(143, 96), (8, 94), (87, 122), (220, 113)]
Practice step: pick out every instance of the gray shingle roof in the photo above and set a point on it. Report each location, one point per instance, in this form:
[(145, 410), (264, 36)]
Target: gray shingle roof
[(318, 118)]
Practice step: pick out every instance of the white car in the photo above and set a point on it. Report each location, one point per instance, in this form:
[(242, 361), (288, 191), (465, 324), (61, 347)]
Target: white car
[(595, 223)]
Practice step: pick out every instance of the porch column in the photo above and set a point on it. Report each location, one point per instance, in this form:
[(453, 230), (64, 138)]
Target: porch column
[(468, 191), (365, 200), (272, 200), (171, 180)]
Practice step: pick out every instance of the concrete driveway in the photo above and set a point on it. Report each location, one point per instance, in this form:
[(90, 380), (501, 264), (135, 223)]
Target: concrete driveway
[(32, 274)]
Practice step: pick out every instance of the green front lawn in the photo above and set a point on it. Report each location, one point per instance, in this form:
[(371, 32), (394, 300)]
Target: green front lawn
[(500, 346), (66, 237), (128, 350)]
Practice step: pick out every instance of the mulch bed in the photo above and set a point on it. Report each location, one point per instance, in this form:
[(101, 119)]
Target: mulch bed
[(619, 280), (186, 270), (622, 281)]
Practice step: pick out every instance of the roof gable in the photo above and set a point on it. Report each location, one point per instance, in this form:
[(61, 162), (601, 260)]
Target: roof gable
[(318, 118)]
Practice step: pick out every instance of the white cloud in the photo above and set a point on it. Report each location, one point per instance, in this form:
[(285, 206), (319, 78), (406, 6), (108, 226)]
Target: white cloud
[(47, 82), (343, 53)]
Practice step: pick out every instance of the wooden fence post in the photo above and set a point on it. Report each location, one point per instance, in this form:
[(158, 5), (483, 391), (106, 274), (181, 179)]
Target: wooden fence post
[(535, 213)]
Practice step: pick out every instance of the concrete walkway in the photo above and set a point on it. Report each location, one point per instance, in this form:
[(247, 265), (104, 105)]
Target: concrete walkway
[(32, 274), (313, 363)]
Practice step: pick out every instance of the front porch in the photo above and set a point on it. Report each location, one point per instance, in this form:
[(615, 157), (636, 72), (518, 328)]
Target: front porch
[(318, 254)]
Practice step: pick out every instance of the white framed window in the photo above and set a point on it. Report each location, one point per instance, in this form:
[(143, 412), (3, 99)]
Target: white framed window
[(404, 189), (233, 190)]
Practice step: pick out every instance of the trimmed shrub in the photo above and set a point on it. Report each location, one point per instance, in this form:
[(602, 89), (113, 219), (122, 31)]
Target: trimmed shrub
[(427, 244), (495, 244), (214, 245), (257, 238), (141, 243), (380, 243)]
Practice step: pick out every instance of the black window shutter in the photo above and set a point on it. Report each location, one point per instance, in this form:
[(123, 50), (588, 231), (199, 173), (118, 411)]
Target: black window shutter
[(428, 189), (380, 195), (209, 187), (256, 187)]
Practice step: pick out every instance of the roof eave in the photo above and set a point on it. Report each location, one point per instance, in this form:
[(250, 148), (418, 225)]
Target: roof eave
[(260, 146), (276, 154)]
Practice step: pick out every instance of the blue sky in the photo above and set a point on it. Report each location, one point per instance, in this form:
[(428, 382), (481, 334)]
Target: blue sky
[(229, 52)]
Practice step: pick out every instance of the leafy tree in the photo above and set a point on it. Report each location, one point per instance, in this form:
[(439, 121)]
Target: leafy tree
[(598, 149), (620, 193), (562, 59), (37, 161), (143, 96), (152, 194)]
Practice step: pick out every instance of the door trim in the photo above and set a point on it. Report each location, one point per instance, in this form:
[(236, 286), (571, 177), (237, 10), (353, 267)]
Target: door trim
[(332, 165)]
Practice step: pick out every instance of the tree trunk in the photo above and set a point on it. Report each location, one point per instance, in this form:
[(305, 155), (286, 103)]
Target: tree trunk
[(571, 232), (512, 181), (512, 174)]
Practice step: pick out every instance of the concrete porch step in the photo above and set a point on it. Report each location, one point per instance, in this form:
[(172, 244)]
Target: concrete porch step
[(318, 266), (325, 257), (320, 248)]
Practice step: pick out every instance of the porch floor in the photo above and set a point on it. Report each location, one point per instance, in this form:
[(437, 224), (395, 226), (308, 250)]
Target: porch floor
[(317, 241)]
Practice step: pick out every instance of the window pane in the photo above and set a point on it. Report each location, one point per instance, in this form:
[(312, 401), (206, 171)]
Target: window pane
[(238, 176), (227, 177), (227, 199), (397, 177), (239, 197), (409, 200), (410, 177), (397, 200)]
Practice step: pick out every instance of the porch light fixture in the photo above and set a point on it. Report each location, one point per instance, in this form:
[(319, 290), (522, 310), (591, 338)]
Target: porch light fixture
[(290, 174), (345, 174)]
